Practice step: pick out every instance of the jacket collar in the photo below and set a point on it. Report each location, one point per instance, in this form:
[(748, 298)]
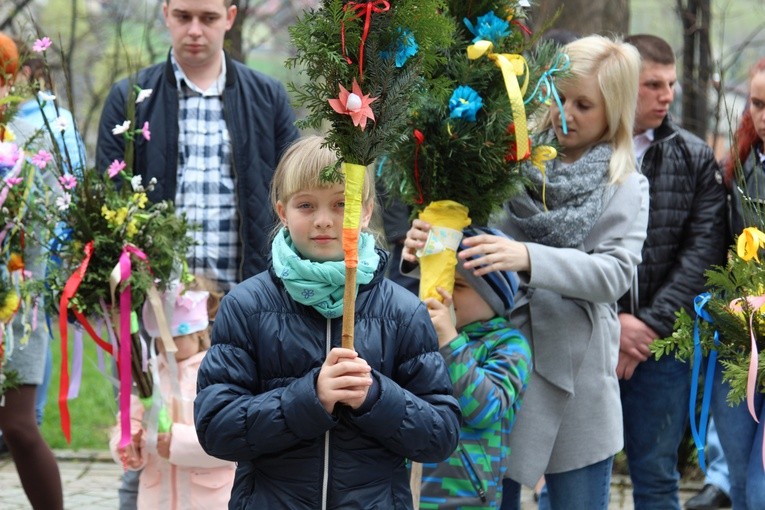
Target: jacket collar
[(230, 70)]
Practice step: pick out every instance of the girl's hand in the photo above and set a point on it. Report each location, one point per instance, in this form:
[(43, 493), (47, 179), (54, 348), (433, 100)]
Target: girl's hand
[(163, 444), (442, 317), (494, 253), (344, 378), (415, 240), (132, 454)]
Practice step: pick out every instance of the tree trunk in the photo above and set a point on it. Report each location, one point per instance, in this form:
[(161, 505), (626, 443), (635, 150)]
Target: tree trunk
[(695, 16), (583, 17)]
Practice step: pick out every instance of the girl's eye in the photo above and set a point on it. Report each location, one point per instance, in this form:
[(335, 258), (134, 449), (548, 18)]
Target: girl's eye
[(341, 204), (303, 205)]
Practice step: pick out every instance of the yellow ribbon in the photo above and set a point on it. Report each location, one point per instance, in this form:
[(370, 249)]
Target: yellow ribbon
[(511, 66), (540, 155)]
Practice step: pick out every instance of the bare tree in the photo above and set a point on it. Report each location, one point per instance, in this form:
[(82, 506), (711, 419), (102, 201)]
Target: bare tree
[(584, 16), (696, 18)]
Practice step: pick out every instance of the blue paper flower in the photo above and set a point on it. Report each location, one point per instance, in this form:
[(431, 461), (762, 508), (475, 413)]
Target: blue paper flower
[(489, 27), (404, 47), (464, 103), (183, 328)]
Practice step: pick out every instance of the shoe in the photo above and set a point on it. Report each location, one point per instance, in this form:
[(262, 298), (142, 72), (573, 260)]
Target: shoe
[(709, 498)]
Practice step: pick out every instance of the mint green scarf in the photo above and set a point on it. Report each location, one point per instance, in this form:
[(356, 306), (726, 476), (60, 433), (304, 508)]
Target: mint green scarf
[(320, 284)]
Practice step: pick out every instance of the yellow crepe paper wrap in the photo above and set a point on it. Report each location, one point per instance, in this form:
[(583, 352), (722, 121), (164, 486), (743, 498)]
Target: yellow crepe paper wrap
[(511, 67), (437, 270)]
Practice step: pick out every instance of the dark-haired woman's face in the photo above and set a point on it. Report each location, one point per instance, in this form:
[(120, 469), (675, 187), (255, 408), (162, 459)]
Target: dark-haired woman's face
[(757, 103)]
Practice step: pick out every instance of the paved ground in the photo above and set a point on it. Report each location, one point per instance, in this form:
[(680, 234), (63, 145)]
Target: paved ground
[(91, 480)]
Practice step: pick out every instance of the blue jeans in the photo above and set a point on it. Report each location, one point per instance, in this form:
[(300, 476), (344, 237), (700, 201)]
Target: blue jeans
[(717, 470), (655, 411), (588, 487), (741, 439)]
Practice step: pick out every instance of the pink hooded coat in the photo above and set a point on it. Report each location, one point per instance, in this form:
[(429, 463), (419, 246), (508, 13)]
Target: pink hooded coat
[(190, 479)]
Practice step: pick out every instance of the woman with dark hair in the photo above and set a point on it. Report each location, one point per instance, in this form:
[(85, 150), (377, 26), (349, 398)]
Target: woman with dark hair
[(740, 435)]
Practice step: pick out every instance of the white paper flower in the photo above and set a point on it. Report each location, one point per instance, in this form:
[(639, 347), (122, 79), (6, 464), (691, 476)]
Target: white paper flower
[(135, 182), (60, 124), (44, 96), (121, 128), (143, 95), (63, 202)]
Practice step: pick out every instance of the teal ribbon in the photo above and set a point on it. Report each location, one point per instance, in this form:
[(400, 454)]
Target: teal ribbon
[(699, 430), (560, 63)]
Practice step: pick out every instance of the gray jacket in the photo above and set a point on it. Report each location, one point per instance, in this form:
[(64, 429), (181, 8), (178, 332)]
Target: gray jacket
[(571, 414)]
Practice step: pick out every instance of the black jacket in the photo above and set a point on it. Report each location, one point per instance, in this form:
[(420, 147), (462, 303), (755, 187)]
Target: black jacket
[(687, 227), (257, 403), (260, 123)]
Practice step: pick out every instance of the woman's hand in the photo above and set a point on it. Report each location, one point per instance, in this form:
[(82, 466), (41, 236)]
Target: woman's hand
[(132, 454), (494, 253), (344, 378), (415, 240)]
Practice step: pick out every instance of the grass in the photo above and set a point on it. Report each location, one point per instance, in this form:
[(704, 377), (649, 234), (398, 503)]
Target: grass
[(92, 413)]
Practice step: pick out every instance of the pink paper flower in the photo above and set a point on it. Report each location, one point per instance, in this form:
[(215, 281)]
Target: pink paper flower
[(41, 45), (41, 159), (9, 155), (12, 181), (116, 167), (68, 181), (355, 104), (145, 131)]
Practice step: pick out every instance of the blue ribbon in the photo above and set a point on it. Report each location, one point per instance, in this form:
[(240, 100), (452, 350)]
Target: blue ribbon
[(699, 430), (560, 63)]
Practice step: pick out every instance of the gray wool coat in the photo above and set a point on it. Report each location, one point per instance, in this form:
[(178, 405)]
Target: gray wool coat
[(571, 414)]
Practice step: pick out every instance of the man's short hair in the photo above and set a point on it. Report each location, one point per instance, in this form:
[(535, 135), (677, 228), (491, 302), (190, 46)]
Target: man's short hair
[(652, 48), (227, 3)]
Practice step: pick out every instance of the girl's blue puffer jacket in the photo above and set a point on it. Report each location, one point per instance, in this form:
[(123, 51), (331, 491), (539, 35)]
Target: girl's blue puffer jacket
[(257, 402)]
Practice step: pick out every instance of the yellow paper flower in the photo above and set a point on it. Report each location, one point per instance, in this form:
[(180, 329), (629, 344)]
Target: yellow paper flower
[(15, 262), (121, 216), (749, 243), (140, 200), (9, 306), (132, 229), (107, 213)]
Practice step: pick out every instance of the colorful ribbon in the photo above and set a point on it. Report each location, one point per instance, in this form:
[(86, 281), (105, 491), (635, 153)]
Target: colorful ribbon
[(419, 139), (539, 156), (70, 289), (548, 90), (511, 66), (362, 9), (699, 430)]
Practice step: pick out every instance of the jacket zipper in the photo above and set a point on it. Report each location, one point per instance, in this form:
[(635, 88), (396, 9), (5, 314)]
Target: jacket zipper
[(472, 472), (325, 477)]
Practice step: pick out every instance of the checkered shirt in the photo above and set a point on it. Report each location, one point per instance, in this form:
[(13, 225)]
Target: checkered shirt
[(206, 184)]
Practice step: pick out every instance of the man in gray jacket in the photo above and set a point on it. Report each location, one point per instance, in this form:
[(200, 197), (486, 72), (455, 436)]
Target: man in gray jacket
[(687, 233)]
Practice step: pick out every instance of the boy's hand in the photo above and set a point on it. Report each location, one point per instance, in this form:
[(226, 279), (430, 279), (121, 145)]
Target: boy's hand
[(441, 315), (344, 378), (415, 240)]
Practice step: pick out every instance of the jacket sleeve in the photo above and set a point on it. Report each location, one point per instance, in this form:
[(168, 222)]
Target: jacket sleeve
[(416, 415), (487, 386), (602, 273), (704, 244), (108, 146), (186, 451), (237, 421)]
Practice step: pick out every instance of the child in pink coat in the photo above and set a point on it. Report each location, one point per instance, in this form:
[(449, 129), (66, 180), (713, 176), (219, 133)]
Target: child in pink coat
[(177, 473)]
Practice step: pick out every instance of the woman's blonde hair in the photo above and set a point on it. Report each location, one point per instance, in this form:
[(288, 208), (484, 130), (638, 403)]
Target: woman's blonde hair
[(616, 67), (301, 168)]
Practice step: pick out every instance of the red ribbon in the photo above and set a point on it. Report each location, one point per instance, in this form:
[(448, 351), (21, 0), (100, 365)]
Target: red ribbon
[(419, 139), (520, 25), (362, 9), (70, 289)]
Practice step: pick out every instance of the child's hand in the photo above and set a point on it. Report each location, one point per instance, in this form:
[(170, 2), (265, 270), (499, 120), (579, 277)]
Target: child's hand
[(131, 454), (163, 444), (344, 378), (415, 240), (441, 315)]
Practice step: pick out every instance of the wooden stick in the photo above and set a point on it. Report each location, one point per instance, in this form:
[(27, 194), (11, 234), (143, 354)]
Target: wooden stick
[(349, 307)]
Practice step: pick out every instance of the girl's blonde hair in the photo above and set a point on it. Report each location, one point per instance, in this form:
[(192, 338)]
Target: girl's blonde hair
[(616, 66), (301, 168)]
